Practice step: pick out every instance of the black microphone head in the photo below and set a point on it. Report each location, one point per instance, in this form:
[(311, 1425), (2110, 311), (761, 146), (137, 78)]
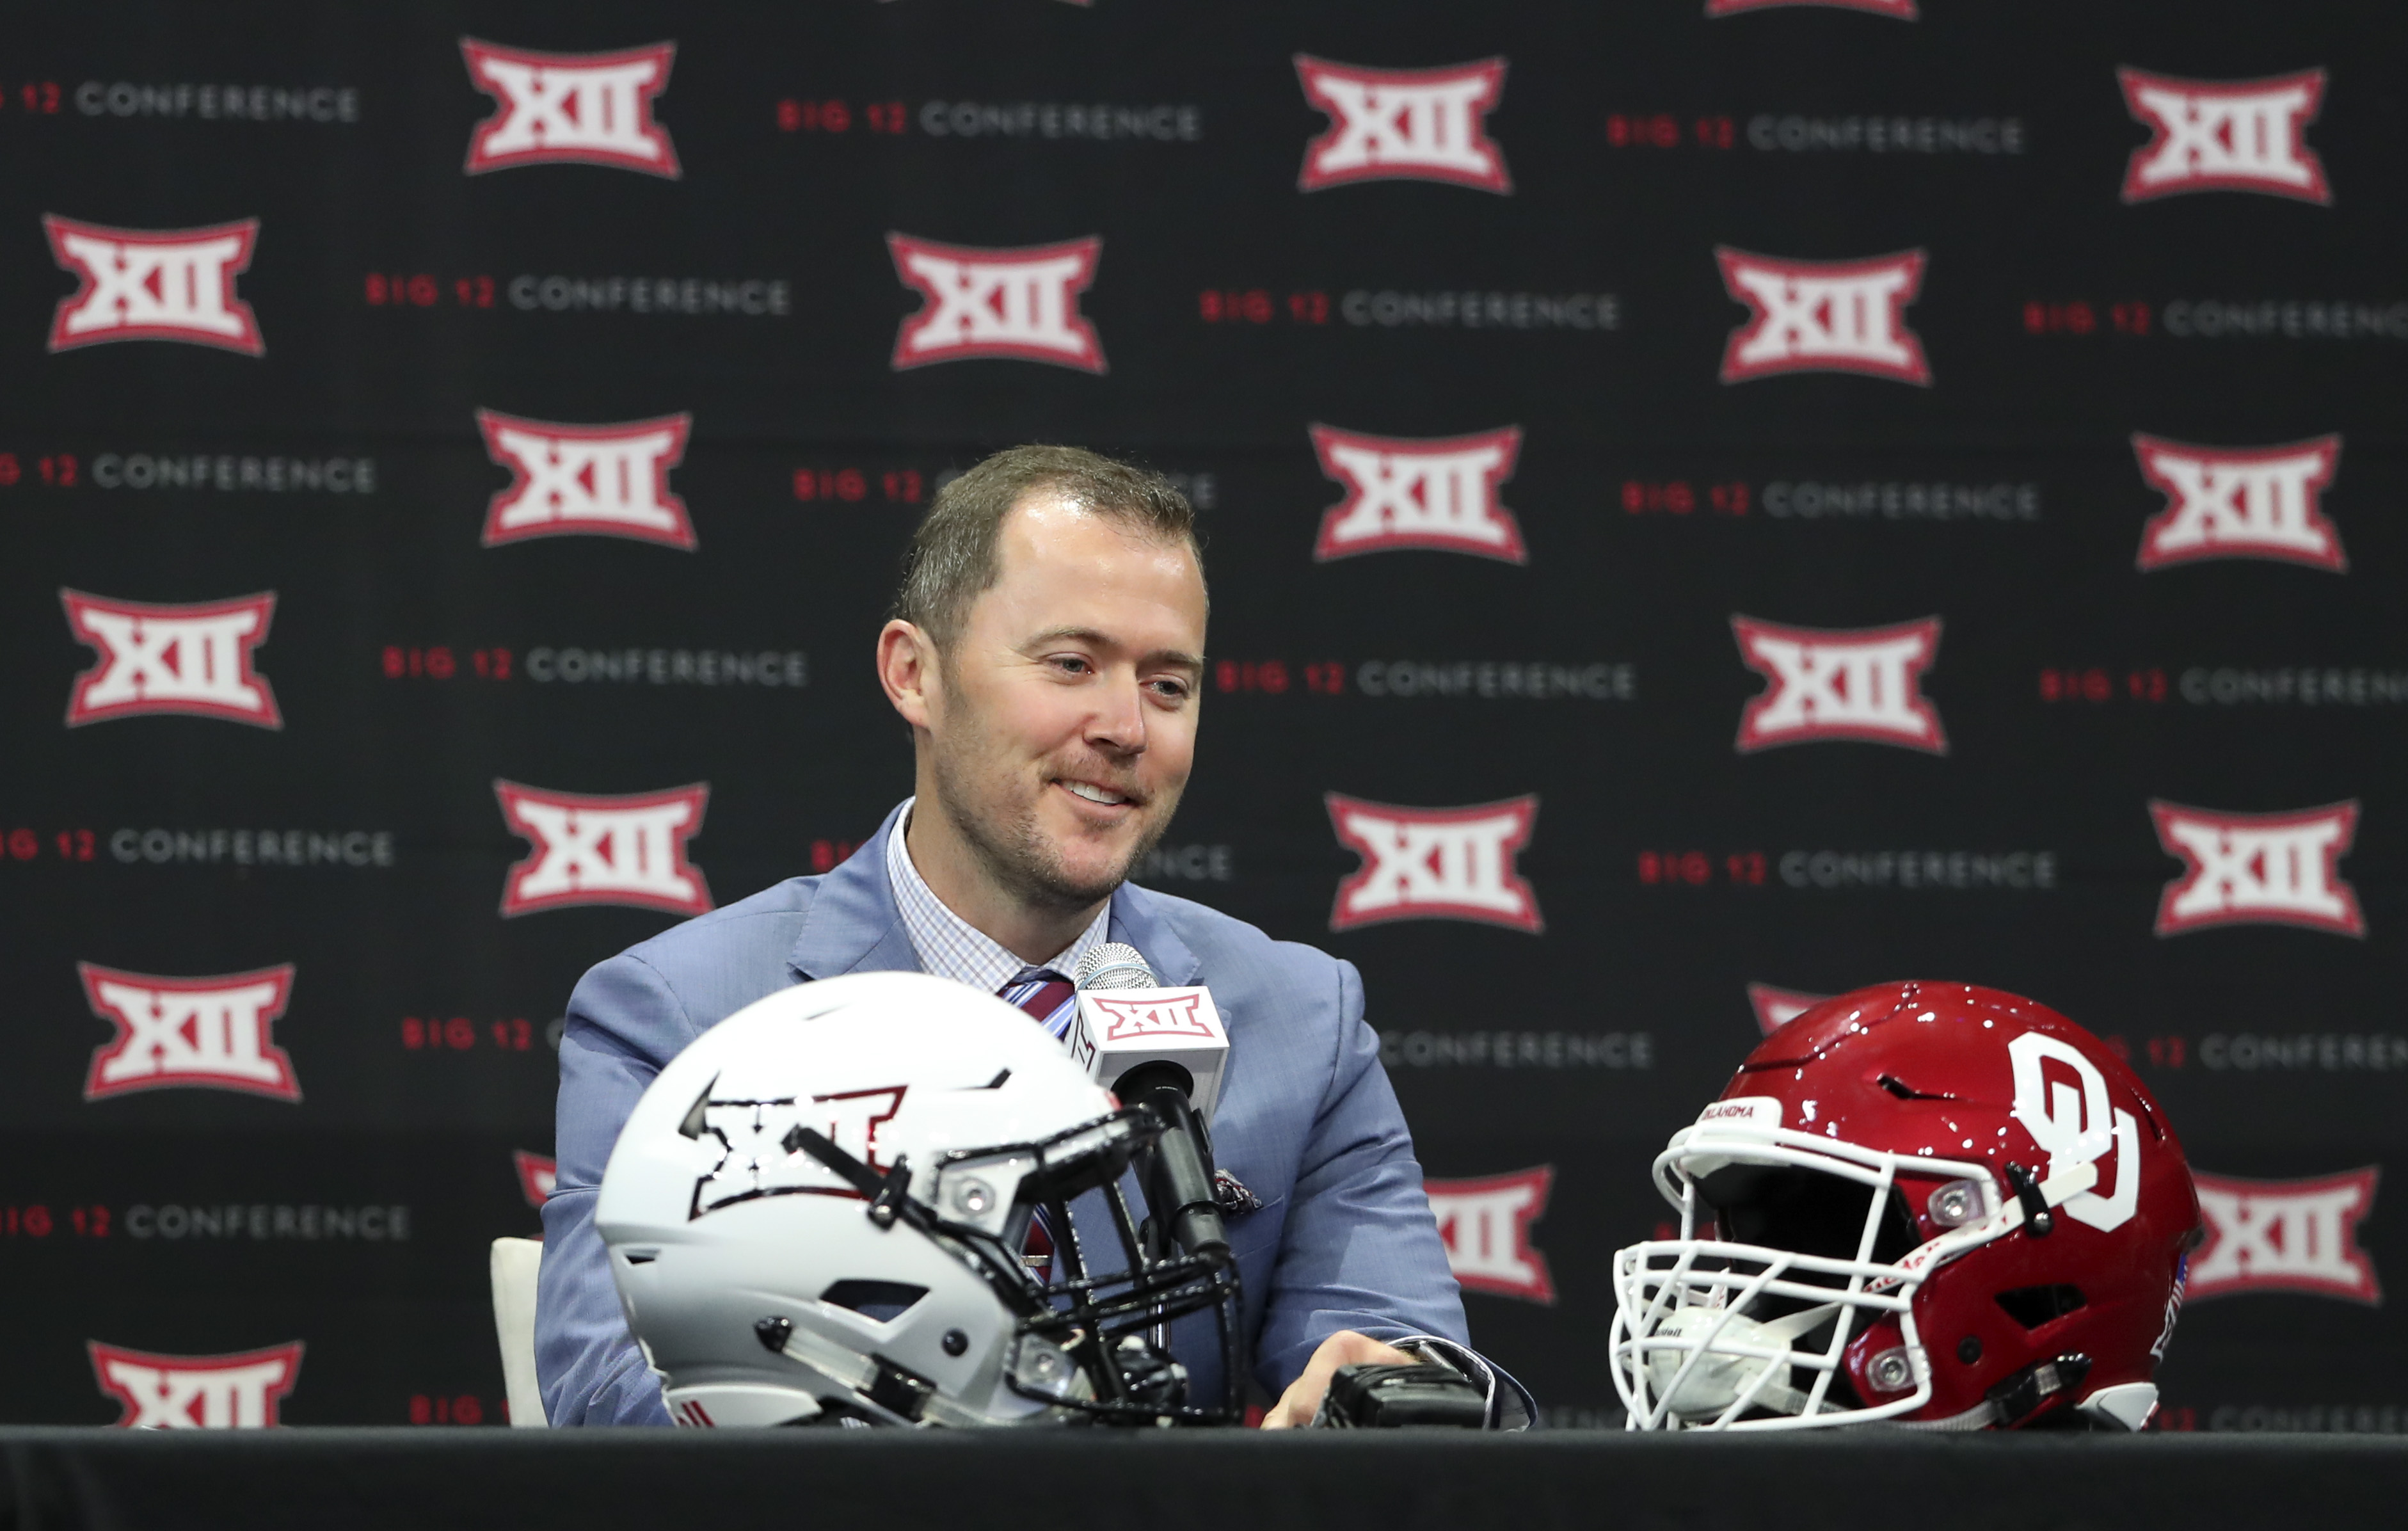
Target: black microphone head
[(1113, 966)]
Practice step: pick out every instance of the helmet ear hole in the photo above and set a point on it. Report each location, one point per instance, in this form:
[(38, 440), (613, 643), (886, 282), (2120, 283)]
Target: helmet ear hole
[(2032, 1306), (881, 1302)]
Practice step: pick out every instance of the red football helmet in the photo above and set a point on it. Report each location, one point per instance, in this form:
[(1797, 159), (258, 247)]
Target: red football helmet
[(1937, 1204)]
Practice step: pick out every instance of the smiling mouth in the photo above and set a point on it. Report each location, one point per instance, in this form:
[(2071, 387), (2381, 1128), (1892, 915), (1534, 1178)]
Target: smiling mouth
[(1092, 793)]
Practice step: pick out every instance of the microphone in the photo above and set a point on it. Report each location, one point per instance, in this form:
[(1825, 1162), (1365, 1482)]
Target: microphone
[(1125, 1019), (1165, 1049)]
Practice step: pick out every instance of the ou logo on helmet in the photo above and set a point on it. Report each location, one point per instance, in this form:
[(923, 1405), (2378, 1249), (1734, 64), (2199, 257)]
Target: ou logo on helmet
[(2072, 1124)]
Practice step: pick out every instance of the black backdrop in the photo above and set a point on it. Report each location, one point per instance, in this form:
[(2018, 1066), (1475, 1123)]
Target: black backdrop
[(413, 665)]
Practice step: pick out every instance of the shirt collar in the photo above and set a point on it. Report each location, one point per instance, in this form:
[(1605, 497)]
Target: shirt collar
[(950, 946)]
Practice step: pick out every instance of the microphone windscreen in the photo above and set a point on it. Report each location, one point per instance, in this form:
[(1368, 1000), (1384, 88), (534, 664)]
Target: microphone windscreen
[(1112, 965)]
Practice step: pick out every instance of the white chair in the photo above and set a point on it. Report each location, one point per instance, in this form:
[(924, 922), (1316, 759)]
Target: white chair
[(514, 1267)]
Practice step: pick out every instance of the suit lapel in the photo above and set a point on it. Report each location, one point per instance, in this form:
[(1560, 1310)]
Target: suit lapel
[(1138, 920), (853, 925)]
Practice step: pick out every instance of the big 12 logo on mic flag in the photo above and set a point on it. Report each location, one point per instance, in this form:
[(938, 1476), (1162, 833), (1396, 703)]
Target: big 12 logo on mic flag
[(1859, 683), (1436, 863), (570, 108), (1404, 124), (627, 849), (155, 285), (2258, 869), (594, 481), (244, 1390), (1019, 304), (1438, 493), (1824, 316), (2241, 502), (194, 659), (189, 1034), (2225, 136), (2284, 1236), (1485, 1226)]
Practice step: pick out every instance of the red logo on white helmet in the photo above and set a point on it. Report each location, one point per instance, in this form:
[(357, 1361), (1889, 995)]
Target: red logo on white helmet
[(1485, 1226), (760, 1154), (1861, 684), (590, 481), (538, 1174), (1403, 124), (194, 659), (244, 1390), (570, 108), (1433, 492), (189, 1034), (2284, 1236), (628, 850), (2241, 502), (1777, 1007), (2225, 136), (1436, 863), (1019, 304), (1824, 316), (155, 285), (2258, 869)]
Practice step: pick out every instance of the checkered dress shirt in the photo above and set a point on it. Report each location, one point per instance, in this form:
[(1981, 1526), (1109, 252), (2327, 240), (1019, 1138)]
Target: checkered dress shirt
[(950, 947)]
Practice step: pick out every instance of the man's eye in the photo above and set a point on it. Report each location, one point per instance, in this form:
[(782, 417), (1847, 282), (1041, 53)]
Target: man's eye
[(1070, 664), (1171, 690)]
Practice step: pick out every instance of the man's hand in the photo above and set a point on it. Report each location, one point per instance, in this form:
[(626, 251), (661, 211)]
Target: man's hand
[(1302, 1400)]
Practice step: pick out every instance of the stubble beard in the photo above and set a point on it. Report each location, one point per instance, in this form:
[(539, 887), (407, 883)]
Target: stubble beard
[(1004, 835)]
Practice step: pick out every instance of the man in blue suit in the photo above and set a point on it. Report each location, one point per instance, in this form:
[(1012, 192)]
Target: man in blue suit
[(1048, 654)]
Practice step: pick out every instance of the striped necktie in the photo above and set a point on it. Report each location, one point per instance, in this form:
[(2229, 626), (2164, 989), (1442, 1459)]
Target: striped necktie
[(1048, 997), (1045, 994)]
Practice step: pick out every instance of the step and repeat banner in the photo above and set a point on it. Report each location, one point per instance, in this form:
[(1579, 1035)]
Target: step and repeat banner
[(1708, 503)]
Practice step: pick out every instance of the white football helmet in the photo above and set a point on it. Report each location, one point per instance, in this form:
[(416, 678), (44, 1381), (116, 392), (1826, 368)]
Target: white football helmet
[(816, 1215)]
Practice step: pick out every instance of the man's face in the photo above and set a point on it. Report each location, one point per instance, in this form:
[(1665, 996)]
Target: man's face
[(1066, 717)]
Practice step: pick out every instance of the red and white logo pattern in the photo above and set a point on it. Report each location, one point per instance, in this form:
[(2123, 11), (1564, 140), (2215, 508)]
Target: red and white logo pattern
[(155, 285), (1824, 316), (1485, 1226), (1777, 1007), (2284, 1236), (244, 1390), (1404, 124), (1901, 9), (2258, 869), (762, 1157), (571, 108), (1436, 863), (592, 480), (189, 1034), (538, 1174), (1018, 304), (1435, 492), (627, 849), (2241, 502), (2075, 1121), (1177, 1015), (1862, 683), (2225, 136), (194, 659)]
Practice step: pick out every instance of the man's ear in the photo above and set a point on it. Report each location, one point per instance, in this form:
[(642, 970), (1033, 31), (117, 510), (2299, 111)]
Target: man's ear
[(908, 669)]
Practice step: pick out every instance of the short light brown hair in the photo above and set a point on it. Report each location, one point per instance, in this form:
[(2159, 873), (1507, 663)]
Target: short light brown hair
[(952, 556)]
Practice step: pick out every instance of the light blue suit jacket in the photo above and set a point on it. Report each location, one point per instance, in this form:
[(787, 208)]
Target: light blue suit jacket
[(1307, 1121)]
